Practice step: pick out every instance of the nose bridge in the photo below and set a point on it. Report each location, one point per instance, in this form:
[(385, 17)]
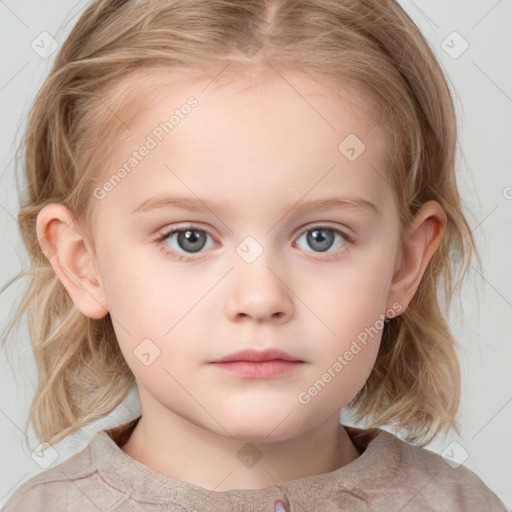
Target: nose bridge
[(257, 289)]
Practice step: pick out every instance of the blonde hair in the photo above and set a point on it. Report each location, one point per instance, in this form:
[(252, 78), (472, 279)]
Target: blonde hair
[(369, 47)]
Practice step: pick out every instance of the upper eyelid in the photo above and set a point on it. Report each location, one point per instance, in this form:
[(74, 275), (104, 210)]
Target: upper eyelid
[(308, 227)]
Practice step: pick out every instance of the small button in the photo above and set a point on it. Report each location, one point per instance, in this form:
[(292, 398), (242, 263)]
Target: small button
[(280, 506)]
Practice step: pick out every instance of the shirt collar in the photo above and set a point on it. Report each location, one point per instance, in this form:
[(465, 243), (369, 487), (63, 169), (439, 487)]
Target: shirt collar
[(341, 487)]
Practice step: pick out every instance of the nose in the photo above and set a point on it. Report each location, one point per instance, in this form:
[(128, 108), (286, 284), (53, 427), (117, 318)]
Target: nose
[(257, 291)]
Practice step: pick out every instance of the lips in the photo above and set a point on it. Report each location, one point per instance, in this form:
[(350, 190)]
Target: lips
[(258, 364), (257, 356)]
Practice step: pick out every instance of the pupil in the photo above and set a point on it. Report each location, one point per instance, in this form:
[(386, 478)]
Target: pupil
[(187, 240), (318, 236)]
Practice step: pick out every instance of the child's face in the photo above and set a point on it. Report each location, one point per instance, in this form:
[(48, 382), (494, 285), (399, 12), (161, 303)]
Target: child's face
[(250, 161)]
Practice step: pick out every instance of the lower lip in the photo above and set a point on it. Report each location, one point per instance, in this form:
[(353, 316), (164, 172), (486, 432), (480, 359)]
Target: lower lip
[(259, 369)]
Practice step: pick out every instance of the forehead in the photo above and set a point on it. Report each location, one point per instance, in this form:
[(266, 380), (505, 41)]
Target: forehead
[(244, 100), (145, 91), (292, 135)]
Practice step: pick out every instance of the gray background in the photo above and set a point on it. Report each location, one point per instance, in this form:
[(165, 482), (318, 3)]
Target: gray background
[(481, 78)]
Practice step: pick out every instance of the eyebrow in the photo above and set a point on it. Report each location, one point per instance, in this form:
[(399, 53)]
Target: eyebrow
[(160, 202)]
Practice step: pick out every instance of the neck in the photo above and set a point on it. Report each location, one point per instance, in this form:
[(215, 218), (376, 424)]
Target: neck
[(181, 450)]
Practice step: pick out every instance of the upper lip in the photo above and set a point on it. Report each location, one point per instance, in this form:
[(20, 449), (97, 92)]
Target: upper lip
[(257, 355)]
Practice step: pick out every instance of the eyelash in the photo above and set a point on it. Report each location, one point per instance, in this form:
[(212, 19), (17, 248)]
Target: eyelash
[(160, 241)]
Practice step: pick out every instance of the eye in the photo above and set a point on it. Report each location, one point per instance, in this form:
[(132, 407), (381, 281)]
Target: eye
[(188, 240), (323, 238)]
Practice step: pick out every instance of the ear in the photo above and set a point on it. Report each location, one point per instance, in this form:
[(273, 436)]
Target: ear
[(422, 239), (72, 259)]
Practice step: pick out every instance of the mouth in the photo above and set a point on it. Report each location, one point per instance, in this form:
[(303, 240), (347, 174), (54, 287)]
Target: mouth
[(257, 356), (254, 364)]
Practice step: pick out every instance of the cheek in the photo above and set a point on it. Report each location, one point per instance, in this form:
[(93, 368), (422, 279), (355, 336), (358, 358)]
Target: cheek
[(351, 300), (145, 294), (344, 364), (157, 320), (352, 309)]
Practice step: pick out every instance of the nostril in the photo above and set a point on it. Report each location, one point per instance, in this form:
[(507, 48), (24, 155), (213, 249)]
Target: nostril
[(279, 506)]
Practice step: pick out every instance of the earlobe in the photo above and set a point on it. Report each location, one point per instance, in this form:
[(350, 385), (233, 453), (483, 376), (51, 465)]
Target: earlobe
[(422, 240), (71, 259)]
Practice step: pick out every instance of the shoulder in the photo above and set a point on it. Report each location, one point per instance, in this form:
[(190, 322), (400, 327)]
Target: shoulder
[(419, 479), (60, 488), (79, 482)]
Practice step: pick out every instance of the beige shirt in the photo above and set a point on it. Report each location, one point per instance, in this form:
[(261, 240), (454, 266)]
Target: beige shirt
[(390, 475)]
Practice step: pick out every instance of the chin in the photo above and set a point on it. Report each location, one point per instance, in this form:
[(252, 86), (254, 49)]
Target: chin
[(255, 427)]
